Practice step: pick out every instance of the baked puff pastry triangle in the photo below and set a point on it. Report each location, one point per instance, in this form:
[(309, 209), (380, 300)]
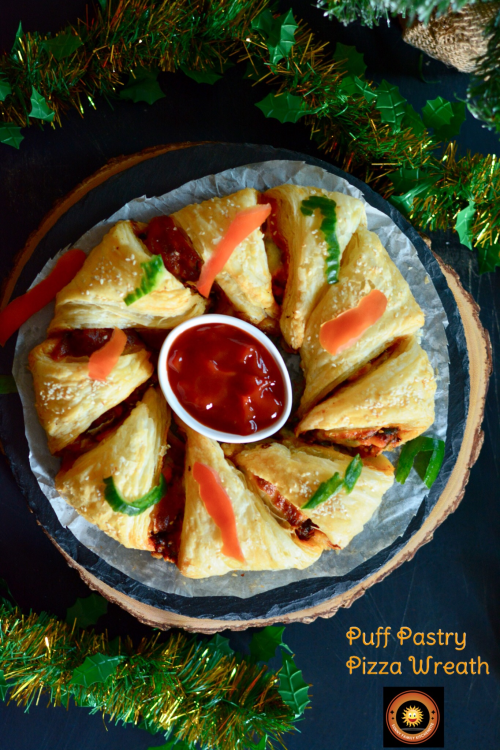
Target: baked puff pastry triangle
[(391, 402), (133, 456), (68, 401), (366, 265), (245, 279), (305, 248), (113, 270), (292, 472), (265, 542)]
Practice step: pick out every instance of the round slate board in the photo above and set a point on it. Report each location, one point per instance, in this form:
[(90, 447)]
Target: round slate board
[(154, 173)]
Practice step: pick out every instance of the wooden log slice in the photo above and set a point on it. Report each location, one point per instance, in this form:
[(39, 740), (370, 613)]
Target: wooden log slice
[(480, 358)]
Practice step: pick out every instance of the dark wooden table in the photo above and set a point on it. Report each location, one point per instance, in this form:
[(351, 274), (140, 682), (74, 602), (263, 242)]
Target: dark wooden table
[(453, 582)]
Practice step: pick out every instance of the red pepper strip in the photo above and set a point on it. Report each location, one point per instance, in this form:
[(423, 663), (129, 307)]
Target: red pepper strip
[(343, 331), (244, 223), (104, 360), (219, 508), (22, 308)]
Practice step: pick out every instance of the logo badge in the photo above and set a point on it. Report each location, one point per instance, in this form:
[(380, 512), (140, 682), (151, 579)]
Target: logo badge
[(413, 716)]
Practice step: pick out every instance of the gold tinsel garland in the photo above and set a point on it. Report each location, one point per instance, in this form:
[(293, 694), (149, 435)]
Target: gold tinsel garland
[(185, 685), (132, 35)]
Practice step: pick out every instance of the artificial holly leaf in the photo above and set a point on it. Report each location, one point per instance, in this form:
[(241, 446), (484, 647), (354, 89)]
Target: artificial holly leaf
[(207, 76), (348, 86), (62, 45), (444, 117), (19, 34), (265, 642), (391, 105), (354, 86), (437, 113), (261, 745), (406, 179), (4, 686), (264, 23), (5, 89), (413, 120), (292, 688), (220, 644), (10, 135), (87, 611), (94, 669), (283, 107), (142, 86), (202, 76), (452, 129), (489, 257), (463, 224), (39, 107), (279, 33), (352, 60), (369, 94), (286, 40), (404, 203), (7, 385)]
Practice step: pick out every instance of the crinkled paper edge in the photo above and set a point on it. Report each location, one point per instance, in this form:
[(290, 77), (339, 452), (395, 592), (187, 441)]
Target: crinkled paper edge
[(400, 503)]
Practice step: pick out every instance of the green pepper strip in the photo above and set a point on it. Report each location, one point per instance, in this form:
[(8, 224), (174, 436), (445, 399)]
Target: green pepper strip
[(410, 451), (119, 505), (324, 491), (328, 208), (353, 473), (151, 278), (335, 483)]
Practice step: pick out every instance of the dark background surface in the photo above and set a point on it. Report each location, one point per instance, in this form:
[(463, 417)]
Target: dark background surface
[(452, 583)]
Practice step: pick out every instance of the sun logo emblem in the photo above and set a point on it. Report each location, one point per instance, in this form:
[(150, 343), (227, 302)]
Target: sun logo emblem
[(412, 716)]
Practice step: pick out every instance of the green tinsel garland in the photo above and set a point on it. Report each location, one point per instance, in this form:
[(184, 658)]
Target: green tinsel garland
[(372, 11), (483, 95), (198, 690), (374, 133), (129, 34), (371, 131)]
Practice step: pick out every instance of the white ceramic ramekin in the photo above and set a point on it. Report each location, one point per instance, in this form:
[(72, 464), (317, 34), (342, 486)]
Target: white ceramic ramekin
[(222, 437)]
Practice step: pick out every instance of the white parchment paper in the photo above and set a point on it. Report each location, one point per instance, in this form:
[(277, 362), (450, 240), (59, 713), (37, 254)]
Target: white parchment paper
[(399, 504)]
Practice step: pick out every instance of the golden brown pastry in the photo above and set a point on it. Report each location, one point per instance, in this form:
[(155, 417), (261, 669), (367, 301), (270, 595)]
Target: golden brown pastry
[(389, 403), (68, 401), (292, 472), (245, 279), (133, 456), (379, 392), (305, 249), (366, 265), (266, 543), (95, 297)]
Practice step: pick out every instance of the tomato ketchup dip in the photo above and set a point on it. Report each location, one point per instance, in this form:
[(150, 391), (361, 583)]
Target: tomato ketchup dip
[(228, 380)]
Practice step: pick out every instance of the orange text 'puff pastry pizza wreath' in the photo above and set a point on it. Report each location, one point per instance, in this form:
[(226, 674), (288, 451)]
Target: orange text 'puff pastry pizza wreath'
[(149, 481)]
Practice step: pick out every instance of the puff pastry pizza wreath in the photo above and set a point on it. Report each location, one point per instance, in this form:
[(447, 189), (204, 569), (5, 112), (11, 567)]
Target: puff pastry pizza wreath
[(152, 483)]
